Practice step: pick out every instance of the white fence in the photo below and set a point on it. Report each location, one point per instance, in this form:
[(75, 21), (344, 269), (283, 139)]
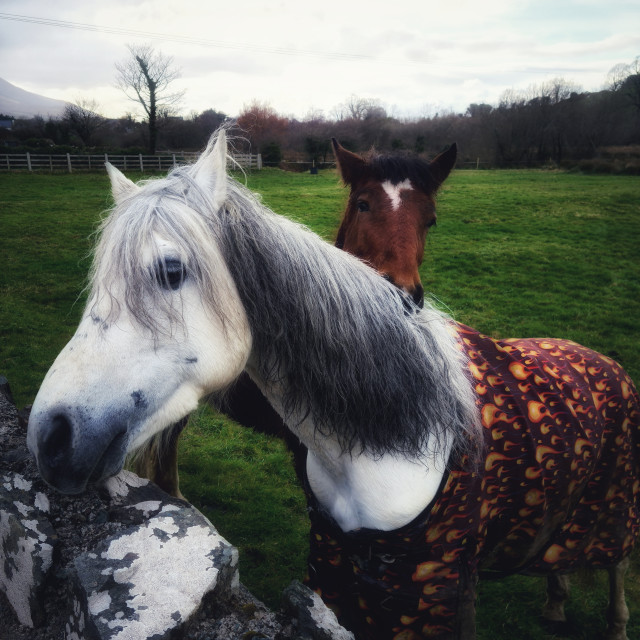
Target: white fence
[(95, 162)]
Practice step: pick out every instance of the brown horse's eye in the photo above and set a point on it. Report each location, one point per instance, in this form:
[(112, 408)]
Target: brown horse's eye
[(362, 206)]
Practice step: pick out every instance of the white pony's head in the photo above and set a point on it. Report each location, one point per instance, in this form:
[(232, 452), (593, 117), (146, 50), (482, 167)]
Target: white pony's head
[(148, 346)]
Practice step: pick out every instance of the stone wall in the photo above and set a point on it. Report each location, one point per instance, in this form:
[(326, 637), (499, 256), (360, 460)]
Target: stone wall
[(125, 561)]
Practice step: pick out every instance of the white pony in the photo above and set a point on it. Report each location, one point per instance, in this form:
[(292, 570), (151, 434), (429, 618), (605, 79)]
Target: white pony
[(194, 281), (417, 477)]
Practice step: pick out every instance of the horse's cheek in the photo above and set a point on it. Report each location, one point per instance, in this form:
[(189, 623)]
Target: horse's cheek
[(220, 351)]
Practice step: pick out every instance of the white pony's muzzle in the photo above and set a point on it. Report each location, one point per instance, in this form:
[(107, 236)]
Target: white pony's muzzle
[(69, 457)]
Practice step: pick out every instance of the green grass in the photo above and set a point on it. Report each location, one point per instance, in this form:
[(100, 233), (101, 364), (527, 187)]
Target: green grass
[(515, 253), (245, 483), (541, 253)]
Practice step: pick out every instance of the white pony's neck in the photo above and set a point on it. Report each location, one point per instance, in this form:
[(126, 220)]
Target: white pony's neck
[(383, 493), (362, 490), (377, 392)]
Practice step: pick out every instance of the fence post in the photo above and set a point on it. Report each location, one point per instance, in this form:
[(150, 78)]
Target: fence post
[(69, 162), (259, 162), (29, 161), (141, 163), (174, 160), (106, 158)]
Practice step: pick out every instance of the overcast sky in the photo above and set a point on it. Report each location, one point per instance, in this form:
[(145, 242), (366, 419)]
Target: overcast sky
[(416, 57)]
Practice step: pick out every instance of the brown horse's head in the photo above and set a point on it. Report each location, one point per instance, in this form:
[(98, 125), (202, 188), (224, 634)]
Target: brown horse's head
[(391, 207)]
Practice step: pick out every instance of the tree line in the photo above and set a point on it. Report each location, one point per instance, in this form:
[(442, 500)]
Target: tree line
[(554, 123)]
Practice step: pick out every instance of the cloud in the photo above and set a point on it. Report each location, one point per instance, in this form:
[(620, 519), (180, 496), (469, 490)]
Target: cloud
[(298, 55)]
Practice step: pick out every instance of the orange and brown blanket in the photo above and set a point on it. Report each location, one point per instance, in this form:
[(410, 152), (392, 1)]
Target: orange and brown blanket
[(557, 488)]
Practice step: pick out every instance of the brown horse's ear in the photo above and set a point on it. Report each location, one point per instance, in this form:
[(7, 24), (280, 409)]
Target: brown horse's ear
[(442, 164), (350, 165)]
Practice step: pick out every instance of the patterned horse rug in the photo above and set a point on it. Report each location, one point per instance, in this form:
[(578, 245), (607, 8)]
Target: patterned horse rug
[(557, 488)]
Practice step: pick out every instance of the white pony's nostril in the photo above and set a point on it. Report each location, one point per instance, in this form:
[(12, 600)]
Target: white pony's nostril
[(55, 442)]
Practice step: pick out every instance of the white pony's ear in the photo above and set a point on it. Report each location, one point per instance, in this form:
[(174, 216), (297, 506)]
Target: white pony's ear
[(210, 171), (121, 186)]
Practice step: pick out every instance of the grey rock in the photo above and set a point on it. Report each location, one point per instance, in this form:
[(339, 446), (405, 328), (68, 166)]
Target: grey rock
[(150, 580), (27, 541), (5, 389), (315, 621), (129, 561), (133, 500)]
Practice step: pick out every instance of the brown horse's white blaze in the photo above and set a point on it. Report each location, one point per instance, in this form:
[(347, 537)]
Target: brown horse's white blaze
[(389, 211)]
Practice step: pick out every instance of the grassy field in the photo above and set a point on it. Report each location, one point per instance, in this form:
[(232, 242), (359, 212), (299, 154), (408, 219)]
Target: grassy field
[(515, 253)]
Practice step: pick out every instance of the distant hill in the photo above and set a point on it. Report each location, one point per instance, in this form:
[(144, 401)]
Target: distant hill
[(19, 103)]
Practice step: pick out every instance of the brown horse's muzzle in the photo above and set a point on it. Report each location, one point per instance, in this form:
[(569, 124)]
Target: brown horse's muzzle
[(414, 290)]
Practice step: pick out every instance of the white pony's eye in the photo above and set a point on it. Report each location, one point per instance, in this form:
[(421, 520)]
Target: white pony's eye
[(170, 273)]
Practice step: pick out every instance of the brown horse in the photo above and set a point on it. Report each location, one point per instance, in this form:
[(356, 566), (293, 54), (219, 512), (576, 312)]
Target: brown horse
[(389, 212), (390, 209)]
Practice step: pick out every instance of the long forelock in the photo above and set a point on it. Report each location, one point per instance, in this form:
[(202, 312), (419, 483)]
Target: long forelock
[(175, 209)]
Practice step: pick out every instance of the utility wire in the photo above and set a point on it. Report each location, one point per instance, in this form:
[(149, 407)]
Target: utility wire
[(219, 44), (242, 46)]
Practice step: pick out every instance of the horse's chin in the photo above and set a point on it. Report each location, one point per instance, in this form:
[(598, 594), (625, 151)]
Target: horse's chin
[(74, 481), (73, 486), (111, 462)]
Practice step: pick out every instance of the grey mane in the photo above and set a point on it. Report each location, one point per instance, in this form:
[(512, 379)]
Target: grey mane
[(334, 335), (339, 340)]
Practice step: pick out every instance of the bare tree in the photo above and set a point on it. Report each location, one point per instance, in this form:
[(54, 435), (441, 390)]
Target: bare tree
[(631, 85), (83, 119), (624, 81), (559, 89), (356, 108), (616, 76), (145, 77), (262, 124)]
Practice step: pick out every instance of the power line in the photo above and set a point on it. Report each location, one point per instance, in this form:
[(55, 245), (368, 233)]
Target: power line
[(219, 44), (252, 48)]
